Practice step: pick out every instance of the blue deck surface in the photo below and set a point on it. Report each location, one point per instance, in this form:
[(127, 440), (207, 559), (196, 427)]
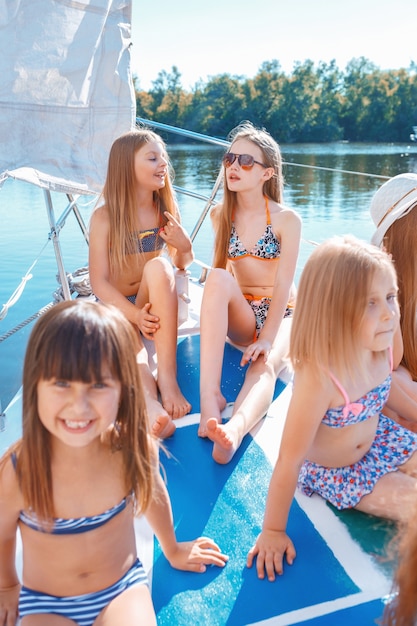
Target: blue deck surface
[(188, 358), (226, 502)]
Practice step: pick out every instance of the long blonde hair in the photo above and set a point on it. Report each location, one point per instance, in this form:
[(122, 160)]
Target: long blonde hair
[(74, 341), (332, 296), (400, 242), (120, 198), (273, 188)]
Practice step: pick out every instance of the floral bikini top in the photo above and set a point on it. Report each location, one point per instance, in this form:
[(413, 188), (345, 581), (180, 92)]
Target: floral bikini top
[(363, 409), (267, 247)]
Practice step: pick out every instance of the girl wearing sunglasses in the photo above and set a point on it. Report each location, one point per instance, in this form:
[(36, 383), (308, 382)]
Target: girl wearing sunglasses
[(249, 293)]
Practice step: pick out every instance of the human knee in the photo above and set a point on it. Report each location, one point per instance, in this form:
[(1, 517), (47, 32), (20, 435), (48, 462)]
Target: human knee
[(158, 268), (218, 279)]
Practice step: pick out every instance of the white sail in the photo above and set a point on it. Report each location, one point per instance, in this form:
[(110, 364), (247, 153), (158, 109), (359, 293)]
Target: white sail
[(66, 90)]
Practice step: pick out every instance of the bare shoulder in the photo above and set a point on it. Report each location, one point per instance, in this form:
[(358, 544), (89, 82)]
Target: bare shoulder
[(286, 223), (215, 213), (282, 214), (11, 499), (100, 216), (313, 391), (99, 225)]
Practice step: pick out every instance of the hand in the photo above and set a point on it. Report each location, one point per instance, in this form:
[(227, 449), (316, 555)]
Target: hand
[(194, 555), (9, 599), (174, 234), (261, 346), (270, 548), (148, 323)]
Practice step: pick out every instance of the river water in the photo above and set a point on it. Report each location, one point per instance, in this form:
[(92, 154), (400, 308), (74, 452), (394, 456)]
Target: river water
[(332, 200)]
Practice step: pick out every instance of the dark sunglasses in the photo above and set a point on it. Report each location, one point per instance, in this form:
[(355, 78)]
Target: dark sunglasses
[(246, 161)]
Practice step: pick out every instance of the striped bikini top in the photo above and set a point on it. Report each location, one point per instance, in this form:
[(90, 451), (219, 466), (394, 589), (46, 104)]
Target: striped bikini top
[(267, 247), (75, 525), (71, 526)]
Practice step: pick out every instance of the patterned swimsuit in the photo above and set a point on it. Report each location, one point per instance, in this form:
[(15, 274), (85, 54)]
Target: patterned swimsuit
[(267, 248), (392, 446)]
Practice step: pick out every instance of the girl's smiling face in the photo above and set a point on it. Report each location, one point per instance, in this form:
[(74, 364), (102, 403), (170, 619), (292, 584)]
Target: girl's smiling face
[(151, 166), (76, 412)]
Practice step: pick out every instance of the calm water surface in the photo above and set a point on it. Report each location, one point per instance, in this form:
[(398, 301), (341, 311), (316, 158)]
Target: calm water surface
[(328, 202)]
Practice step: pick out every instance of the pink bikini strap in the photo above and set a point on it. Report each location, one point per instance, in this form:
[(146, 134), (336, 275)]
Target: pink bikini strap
[(340, 387)]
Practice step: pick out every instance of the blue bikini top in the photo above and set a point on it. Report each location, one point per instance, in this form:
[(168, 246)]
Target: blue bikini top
[(149, 240), (363, 409), (74, 525)]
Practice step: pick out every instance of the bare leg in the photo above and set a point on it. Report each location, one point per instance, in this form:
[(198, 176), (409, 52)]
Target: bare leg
[(223, 305), (158, 287), (133, 607), (42, 619), (160, 421), (393, 497), (253, 401)]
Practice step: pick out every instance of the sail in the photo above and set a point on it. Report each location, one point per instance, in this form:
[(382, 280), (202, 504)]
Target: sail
[(66, 89)]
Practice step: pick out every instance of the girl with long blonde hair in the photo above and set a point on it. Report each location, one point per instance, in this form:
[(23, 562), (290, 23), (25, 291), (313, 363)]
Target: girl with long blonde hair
[(336, 440), (128, 235), (249, 293)]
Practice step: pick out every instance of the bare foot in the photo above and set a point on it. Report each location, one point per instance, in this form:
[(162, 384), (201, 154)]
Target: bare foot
[(212, 404), (160, 422), (163, 427), (225, 445), (173, 401)]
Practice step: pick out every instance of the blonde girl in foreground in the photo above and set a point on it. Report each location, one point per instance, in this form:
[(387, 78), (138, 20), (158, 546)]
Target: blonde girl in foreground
[(85, 466), (127, 238), (249, 294), (336, 442)]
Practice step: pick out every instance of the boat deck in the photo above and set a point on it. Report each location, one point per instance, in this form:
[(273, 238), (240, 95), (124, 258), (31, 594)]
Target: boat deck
[(340, 575)]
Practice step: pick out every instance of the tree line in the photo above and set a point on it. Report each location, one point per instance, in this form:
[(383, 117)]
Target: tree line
[(312, 104)]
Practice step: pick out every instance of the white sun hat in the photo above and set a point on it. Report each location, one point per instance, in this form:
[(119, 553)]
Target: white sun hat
[(393, 200)]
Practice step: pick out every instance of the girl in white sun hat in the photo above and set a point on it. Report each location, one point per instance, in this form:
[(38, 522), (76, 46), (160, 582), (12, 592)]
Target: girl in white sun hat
[(394, 212)]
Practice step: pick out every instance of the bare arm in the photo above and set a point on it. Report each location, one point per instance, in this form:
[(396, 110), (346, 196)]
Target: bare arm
[(308, 404), (290, 234), (99, 268), (9, 582), (403, 396), (186, 555)]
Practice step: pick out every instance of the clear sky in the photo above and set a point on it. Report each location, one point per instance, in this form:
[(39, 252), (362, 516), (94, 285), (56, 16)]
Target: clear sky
[(204, 38)]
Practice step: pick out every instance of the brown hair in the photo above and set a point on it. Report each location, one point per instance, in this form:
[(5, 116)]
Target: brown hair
[(273, 188), (400, 242), (120, 195), (74, 341), (331, 300)]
